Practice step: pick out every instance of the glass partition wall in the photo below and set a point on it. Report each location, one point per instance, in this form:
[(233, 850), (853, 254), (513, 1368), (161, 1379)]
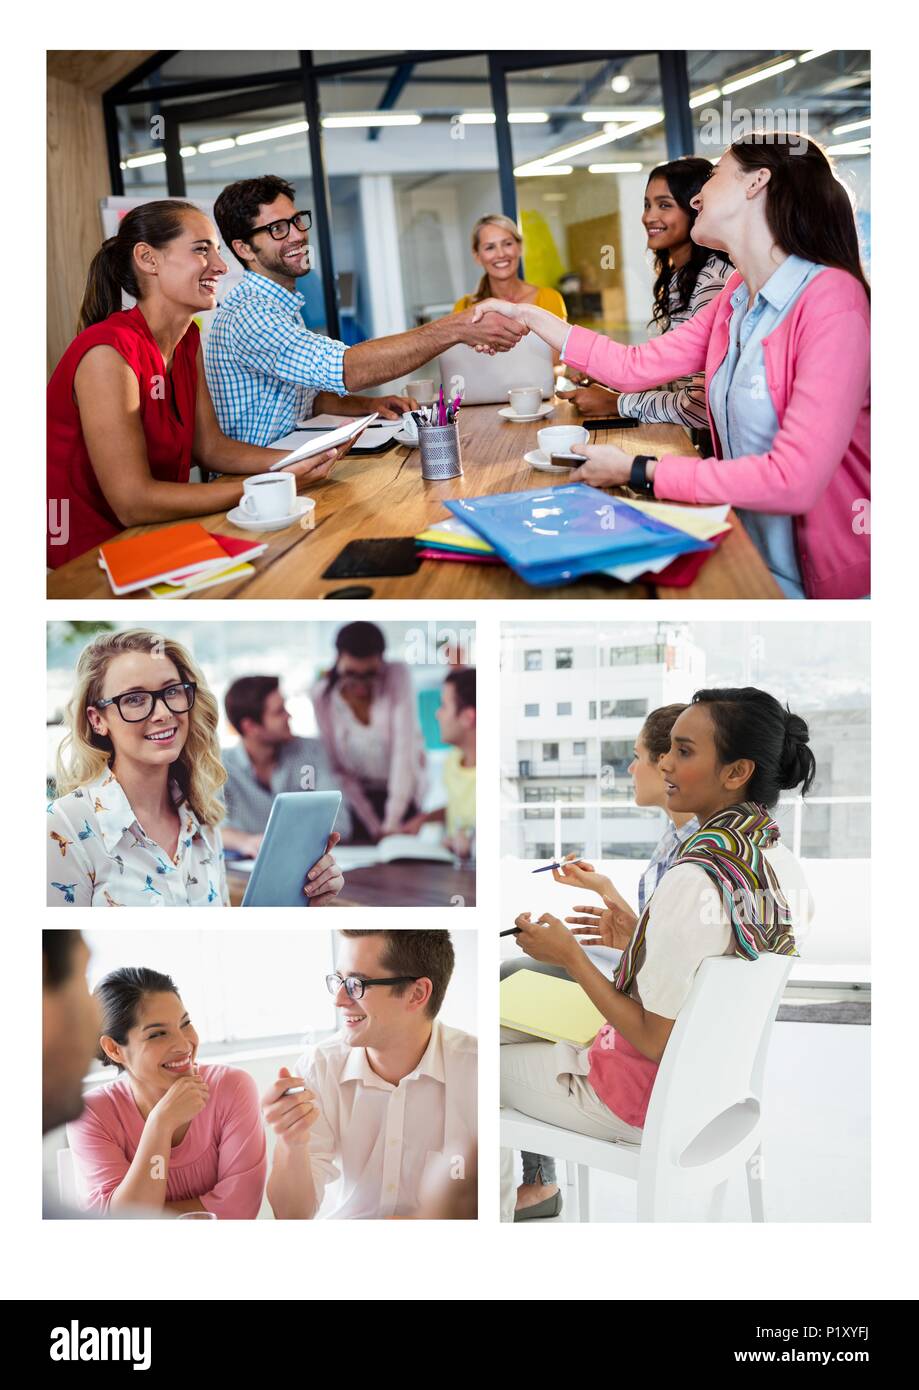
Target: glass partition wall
[(407, 150)]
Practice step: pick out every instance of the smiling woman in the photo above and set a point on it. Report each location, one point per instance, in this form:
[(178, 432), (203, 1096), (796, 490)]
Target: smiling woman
[(129, 411), (136, 821), (167, 1134)]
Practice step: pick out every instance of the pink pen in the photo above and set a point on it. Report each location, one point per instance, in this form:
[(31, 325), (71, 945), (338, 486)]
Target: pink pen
[(441, 409)]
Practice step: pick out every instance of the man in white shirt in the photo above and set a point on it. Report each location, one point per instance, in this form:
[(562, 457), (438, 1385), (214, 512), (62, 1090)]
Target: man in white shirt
[(386, 1109)]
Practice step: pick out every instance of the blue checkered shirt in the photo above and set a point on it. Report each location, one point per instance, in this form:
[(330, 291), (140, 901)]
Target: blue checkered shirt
[(665, 851), (264, 367)]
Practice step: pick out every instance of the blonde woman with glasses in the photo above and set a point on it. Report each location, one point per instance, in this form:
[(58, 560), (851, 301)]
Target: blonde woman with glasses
[(136, 820)]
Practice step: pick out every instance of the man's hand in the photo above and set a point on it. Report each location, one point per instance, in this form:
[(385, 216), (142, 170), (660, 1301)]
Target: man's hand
[(291, 1117), (490, 332), (391, 407), (547, 940), (325, 879)]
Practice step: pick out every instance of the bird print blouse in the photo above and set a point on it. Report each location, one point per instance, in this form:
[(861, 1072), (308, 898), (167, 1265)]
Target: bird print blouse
[(99, 855)]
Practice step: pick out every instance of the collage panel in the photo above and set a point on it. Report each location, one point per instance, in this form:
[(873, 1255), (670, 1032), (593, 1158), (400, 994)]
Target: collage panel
[(686, 921), (241, 1075), (261, 764)]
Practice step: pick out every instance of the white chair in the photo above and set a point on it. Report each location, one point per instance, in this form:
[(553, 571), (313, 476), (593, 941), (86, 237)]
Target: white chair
[(66, 1178), (704, 1122)]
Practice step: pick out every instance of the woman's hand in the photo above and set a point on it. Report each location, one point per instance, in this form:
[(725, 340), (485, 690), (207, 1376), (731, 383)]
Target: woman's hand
[(577, 873), (185, 1099), (610, 925), (597, 401), (546, 940), (498, 306), (325, 879), (606, 465)]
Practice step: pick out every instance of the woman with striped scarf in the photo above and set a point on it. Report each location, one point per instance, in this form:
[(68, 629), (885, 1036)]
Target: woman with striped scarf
[(733, 890)]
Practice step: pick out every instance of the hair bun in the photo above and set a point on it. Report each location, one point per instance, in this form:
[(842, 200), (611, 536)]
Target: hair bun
[(798, 765)]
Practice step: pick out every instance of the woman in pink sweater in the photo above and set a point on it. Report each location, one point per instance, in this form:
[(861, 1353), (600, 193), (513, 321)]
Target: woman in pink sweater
[(786, 352), (167, 1134)]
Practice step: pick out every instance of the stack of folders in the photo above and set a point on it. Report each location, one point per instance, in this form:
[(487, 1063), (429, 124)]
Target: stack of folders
[(546, 1007), (554, 535), (176, 560)]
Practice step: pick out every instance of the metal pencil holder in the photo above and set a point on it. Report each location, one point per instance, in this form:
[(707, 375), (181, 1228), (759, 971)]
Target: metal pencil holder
[(440, 452)]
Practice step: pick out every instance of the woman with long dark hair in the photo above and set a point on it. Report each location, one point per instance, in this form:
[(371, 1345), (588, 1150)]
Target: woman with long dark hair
[(687, 278), (786, 352), (168, 1135), (129, 411), (733, 890)]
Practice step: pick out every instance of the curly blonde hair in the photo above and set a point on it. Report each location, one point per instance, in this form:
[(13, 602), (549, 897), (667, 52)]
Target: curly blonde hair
[(84, 754), (493, 219)]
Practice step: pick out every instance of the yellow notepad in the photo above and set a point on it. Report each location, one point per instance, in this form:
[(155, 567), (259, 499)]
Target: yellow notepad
[(547, 1007)]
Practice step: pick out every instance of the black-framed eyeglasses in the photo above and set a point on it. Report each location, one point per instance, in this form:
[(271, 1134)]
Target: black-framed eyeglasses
[(356, 984), (279, 230), (136, 705)]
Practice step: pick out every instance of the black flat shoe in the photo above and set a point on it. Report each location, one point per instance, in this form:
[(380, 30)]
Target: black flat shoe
[(552, 1206)]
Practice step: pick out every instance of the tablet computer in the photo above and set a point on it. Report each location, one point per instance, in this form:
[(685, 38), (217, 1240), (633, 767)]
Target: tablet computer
[(295, 838)]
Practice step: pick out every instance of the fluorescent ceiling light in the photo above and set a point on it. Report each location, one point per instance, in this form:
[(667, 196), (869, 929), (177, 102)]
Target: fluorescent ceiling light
[(751, 77), (209, 146), (850, 125), (188, 150), (702, 97), (476, 118), (140, 160), (528, 117), (851, 147), (371, 119), (619, 116), (813, 53), (275, 132), (535, 171), (614, 168)]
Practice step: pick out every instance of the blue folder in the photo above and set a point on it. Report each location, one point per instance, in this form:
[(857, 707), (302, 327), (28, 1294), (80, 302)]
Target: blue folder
[(553, 535)]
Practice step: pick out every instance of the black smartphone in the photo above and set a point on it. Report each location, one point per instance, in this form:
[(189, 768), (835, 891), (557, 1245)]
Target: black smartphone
[(375, 559), (566, 460), (617, 424)]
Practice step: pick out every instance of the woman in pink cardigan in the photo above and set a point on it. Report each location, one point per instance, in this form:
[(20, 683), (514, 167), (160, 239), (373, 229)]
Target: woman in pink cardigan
[(167, 1134), (786, 352), (367, 714)]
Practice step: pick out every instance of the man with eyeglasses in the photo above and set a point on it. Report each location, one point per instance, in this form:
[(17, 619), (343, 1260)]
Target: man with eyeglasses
[(386, 1109), (266, 370)]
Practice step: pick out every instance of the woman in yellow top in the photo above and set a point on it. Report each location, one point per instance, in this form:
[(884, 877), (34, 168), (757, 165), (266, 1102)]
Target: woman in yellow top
[(497, 246)]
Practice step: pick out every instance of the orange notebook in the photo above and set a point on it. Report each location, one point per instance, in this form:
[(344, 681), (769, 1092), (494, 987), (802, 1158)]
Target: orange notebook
[(155, 557)]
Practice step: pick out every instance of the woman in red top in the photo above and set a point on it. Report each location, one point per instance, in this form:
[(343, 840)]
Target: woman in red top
[(129, 411)]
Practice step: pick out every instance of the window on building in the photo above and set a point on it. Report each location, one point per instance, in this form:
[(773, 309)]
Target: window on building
[(580, 749), (592, 710), (564, 658), (532, 661), (530, 711), (550, 752), (563, 707)]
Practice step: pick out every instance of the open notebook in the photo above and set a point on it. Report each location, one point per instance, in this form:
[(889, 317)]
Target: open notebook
[(547, 1007)]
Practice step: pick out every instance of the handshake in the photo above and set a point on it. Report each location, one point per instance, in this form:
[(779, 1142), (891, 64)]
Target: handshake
[(489, 328)]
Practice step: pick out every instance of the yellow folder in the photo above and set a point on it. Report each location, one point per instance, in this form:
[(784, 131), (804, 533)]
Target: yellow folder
[(547, 1007)]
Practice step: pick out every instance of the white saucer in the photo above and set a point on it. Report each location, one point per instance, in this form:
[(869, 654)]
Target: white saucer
[(401, 437), (507, 414), (249, 523), (537, 459)]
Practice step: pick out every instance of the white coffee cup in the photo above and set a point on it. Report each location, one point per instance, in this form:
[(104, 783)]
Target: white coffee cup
[(525, 400), (409, 427), (421, 390), (561, 439), (269, 496)]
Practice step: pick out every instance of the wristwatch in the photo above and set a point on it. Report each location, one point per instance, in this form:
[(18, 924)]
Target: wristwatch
[(638, 478)]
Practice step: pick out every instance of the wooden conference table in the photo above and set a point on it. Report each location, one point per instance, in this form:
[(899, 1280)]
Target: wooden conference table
[(403, 883), (384, 495)]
